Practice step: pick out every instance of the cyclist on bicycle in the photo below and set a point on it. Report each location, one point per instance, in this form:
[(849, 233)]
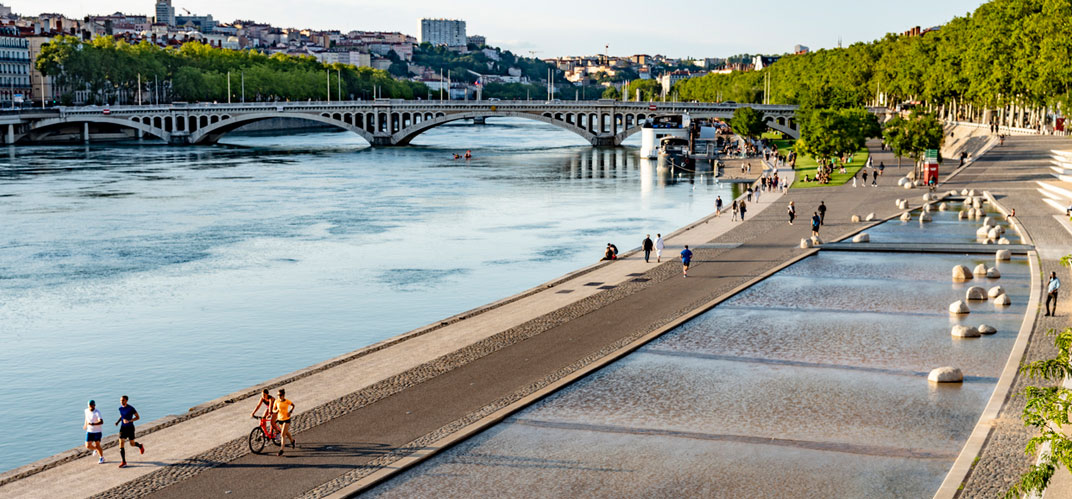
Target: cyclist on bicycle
[(268, 401)]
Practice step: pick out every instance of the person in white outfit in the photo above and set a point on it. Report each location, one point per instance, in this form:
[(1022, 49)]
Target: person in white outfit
[(659, 245), (93, 427)]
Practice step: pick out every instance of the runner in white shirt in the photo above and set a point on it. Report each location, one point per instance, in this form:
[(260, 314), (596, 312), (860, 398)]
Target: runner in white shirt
[(93, 427), (659, 247)]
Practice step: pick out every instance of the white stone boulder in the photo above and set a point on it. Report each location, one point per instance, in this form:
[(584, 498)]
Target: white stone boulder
[(906, 216), (1003, 241), (903, 181), (907, 185), (815, 241), (988, 222), (981, 232), (862, 237), (945, 375), (804, 243), (993, 234), (961, 215), (927, 197), (979, 269), (964, 192), (1003, 255), (856, 219), (985, 329), (993, 273), (926, 208), (995, 291), (925, 217), (870, 217), (959, 307), (1003, 300), (971, 193), (959, 331), (942, 207), (975, 293), (961, 273)]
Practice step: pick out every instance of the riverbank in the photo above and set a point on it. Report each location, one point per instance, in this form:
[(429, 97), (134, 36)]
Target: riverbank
[(216, 430)]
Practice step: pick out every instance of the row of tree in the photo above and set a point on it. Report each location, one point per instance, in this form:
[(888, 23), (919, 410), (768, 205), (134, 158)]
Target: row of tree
[(108, 68), (1005, 53)]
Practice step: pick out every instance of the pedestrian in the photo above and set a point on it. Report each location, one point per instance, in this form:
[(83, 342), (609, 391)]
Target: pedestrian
[(792, 211), (749, 194), (822, 213), (718, 205), (865, 177), (874, 179), (94, 428), (1051, 294), (686, 259), (854, 179), (648, 246), (757, 194), (815, 221), (734, 209), (127, 415), (659, 247), (742, 208), (283, 411)]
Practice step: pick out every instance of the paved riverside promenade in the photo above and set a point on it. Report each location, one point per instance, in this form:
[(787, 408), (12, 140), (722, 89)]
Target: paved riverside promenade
[(364, 413), (1010, 173)]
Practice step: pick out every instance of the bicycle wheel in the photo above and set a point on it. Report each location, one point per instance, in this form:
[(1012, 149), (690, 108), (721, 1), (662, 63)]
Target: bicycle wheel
[(256, 440)]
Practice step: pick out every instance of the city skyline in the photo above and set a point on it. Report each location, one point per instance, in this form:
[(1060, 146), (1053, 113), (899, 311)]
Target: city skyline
[(586, 30)]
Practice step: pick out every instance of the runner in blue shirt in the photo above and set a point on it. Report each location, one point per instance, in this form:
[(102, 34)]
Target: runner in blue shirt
[(127, 415), (686, 258)]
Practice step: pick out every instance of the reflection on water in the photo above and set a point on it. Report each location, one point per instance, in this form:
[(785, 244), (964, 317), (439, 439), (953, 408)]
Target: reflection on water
[(809, 384), (179, 274)]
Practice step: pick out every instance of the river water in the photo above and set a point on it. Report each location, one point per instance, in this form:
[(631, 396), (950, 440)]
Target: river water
[(178, 275)]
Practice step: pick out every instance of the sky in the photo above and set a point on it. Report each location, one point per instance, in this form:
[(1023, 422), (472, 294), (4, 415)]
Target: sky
[(550, 28)]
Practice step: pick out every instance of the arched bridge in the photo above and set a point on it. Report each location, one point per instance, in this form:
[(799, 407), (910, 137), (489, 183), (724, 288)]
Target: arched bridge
[(382, 122)]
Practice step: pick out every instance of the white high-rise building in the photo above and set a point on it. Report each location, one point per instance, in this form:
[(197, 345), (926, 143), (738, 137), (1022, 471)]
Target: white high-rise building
[(449, 32), (165, 13)]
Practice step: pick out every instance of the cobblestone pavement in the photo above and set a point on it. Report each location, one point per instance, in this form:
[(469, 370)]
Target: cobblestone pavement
[(1010, 172), (352, 437)]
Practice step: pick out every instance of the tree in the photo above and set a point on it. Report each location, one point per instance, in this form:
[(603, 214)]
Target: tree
[(612, 93), (1047, 411), (911, 137), (828, 133), (747, 122)]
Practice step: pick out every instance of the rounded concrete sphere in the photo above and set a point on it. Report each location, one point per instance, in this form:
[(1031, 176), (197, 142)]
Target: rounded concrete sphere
[(959, 331), (959, 308), (945, 375), (975, 293), (961, 273)]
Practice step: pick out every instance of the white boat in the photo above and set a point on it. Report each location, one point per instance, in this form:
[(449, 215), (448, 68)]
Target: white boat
[(654, 130)]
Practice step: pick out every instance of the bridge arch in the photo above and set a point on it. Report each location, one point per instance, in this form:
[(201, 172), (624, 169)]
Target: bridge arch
[(404, 136), (123, 122), (226, 124)]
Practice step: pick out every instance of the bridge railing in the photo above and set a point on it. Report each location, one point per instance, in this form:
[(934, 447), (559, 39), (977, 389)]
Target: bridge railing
[(555, 105)]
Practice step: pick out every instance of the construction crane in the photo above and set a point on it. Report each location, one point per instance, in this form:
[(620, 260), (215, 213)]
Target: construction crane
[(187, 11)]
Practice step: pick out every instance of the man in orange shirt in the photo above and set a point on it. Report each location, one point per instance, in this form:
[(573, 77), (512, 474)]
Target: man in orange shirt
[(283, 409)]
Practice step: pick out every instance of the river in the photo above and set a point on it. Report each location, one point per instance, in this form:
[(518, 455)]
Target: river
[(176, 275)]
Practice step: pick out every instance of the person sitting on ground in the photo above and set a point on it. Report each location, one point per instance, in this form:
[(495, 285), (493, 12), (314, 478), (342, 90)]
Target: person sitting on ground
[(608, 254), (614, 249)]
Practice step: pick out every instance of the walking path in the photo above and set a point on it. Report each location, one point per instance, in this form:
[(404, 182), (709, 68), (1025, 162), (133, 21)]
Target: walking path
[(1010, 173), (374, 373), (360, 414)]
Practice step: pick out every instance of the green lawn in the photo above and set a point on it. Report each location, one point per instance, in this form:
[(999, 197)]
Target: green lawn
[(806, 166)]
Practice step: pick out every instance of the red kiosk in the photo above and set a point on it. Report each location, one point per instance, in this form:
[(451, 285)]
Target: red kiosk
[(930, 167)]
